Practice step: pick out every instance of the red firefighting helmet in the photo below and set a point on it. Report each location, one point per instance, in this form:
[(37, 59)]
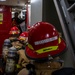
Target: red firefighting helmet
[(14, 30), (23, 36), (44, 41)]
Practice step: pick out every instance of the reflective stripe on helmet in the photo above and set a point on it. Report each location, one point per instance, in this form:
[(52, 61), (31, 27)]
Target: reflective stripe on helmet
[(22, 38), (30, 46), (46, 40), (43, 50), (14, 32), (47, 49), (59, 40)]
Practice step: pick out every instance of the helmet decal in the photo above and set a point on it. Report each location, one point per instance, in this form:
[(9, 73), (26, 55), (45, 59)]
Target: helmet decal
[(46, 40), (47, 49), (59, 40), (30, 46)]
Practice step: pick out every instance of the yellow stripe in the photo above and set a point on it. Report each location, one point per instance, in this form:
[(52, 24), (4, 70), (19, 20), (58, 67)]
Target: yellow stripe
[(22, 38), (59, 40), (47, 49), (30, 46)]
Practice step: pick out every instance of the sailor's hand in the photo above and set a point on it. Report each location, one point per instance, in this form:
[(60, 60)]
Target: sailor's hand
[(22, 57)]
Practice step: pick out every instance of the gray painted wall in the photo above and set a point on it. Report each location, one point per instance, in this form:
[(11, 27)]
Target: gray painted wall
[(36, 11), (50, 15)]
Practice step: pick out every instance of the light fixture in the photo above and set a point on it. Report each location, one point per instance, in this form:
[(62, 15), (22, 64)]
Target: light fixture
[(2, 0), (33, 1), (13, 12)]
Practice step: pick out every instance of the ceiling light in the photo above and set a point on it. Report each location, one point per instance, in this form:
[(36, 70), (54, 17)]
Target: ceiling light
[(33, 1), (13, 12), (2, 0)]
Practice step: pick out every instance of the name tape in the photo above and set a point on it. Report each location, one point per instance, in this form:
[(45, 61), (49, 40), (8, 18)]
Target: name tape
[(45, 40)]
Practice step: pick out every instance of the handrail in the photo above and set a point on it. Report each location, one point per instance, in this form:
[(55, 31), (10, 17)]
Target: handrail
[(71, 8)]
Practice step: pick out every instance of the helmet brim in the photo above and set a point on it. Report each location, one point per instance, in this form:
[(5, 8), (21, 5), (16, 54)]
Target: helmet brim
[(33, 55)]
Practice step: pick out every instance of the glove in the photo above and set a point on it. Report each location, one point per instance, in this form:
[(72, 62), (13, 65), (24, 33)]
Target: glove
[(22, 57), (30, 66)]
